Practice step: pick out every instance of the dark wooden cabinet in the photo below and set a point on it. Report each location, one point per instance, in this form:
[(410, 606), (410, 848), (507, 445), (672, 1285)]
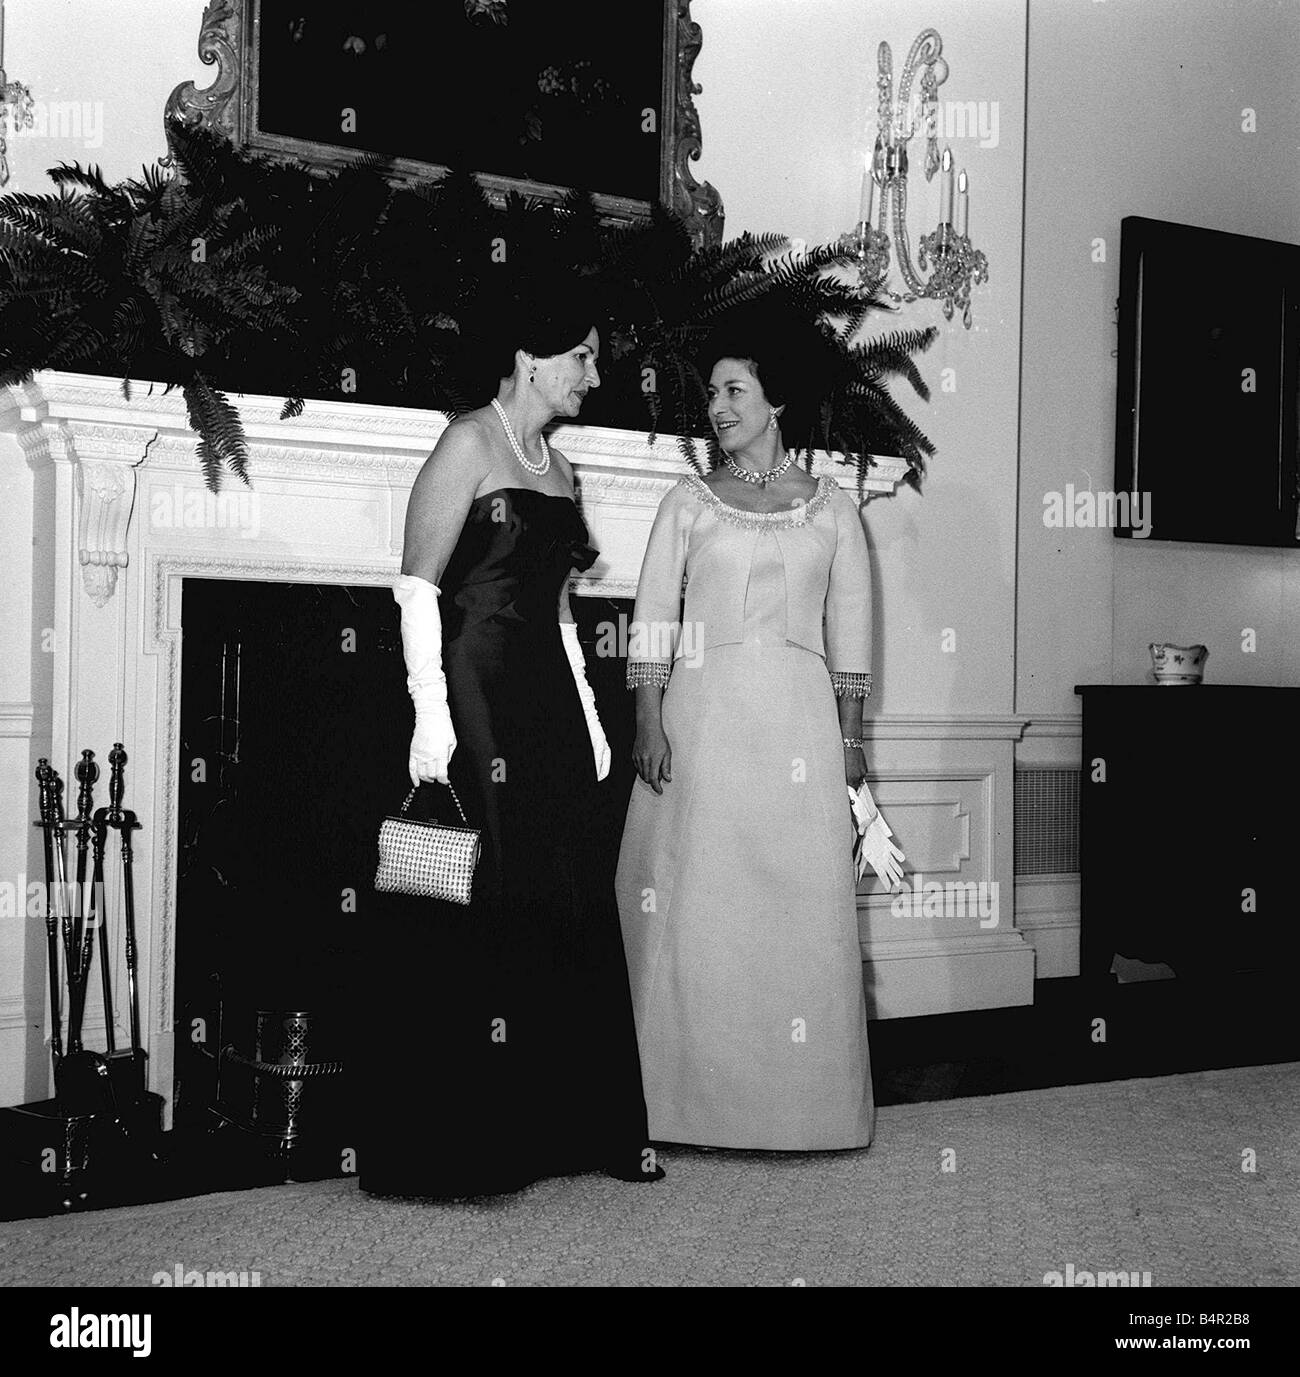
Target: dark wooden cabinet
[(1188, 800)]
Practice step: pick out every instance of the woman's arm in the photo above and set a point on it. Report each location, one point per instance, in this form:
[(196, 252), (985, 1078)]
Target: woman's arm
[(440, 500), (566, 469), (855, 759), (848, 630), (652, 637), (573, 649)]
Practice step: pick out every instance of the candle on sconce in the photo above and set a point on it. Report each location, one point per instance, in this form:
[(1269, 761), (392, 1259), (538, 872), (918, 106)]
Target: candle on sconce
[(945, 187), (868, 192), (963, 203)]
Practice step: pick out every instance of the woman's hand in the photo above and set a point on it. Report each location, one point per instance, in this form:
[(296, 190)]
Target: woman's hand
[(653, 757), (432, 745), (855, 766)]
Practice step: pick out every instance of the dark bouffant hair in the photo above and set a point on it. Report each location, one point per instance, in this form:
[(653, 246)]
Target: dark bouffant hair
[(543, 314), (765, 355), (792, 360)]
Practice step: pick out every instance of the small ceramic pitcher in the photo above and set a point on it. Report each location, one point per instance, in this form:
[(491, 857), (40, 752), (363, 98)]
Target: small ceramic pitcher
[(1178, 664)]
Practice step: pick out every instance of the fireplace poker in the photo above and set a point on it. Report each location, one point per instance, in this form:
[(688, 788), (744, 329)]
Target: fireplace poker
[(103, 820), (87, 773), (82, 1083), (76, 985), (80, 970), (45, 791), (126, 822)]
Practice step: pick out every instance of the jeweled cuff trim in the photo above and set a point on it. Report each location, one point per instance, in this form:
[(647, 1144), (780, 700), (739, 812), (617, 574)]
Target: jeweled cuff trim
[(653, 673), (850, 685)]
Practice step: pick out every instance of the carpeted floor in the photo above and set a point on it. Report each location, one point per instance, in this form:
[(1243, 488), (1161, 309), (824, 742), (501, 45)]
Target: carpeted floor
[(1139, 1175)]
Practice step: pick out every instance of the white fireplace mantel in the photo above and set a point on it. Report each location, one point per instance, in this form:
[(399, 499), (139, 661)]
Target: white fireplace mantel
[(326, 486), (121, 516)]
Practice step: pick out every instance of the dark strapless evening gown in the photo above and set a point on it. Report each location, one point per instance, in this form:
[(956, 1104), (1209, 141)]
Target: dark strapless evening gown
[(501, 1035)]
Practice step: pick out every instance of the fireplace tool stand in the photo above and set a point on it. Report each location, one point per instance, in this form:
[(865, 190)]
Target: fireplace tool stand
[(101, 1114)]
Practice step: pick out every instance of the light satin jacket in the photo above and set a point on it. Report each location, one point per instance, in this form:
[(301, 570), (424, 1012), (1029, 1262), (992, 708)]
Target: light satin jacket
[(700, 539)]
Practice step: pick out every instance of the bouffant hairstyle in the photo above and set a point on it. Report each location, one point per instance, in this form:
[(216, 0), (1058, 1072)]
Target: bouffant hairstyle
[(544, 314), (791, 359)]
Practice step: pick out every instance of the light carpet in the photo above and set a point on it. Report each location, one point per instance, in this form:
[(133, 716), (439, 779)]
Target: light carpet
[(1132, 1176)]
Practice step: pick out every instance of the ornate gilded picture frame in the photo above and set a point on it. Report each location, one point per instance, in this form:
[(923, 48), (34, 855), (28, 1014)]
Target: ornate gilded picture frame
[(520, 92)]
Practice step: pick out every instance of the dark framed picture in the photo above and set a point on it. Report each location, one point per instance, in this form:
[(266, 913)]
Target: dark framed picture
[(1202, 377), (529, 95)]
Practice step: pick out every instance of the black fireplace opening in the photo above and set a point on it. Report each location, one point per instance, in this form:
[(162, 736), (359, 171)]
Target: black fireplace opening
[(295, 725)]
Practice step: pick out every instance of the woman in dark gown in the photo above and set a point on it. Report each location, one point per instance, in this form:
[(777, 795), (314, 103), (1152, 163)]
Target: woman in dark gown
[(502, 1047)]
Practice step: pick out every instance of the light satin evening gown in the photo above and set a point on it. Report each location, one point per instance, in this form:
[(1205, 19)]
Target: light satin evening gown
[(736, 885)]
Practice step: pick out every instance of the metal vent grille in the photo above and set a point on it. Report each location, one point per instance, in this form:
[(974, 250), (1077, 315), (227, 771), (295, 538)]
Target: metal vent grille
[(1046, 821)]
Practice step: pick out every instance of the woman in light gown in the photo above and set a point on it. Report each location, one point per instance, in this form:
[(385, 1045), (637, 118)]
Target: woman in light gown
[(736, 881)]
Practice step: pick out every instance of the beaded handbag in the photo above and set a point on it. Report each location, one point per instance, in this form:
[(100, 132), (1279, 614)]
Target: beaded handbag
[(434, 860)]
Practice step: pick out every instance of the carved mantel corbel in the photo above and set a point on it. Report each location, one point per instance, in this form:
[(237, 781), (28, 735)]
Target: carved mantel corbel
[(105, 460), (106, 497)]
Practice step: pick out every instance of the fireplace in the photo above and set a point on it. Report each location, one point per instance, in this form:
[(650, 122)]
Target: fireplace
[(294, 727), (126, 544)]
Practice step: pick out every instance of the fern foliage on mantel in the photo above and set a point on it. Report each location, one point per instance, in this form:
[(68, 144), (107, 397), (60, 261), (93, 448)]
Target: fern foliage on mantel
[(233, 273)]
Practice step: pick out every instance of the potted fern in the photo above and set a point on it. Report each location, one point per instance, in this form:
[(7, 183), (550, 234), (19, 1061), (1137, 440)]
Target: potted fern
[(150, 278), (230, 272)]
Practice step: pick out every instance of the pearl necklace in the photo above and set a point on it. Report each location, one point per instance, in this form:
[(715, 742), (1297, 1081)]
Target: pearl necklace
[(762, 479), (537, 469)]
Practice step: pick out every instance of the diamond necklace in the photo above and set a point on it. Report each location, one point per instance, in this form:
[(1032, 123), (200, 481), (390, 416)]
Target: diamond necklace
[(762, 479), (538, 469)]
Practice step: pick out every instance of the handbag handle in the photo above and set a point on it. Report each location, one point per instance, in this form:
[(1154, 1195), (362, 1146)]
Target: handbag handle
[(455, 799)]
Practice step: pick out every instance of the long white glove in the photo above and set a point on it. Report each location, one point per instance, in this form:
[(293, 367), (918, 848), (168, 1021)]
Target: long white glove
[(434, 740), (873, 845), (599, 746)]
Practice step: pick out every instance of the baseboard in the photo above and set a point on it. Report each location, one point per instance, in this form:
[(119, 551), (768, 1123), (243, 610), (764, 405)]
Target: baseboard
[(1047, 912), (911, 977), (16, 1077)]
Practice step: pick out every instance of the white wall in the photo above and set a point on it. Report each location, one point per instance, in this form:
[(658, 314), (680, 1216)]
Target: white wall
[(788, 111), (25, 704), (110, 65), (100, 72), (1135, 108)]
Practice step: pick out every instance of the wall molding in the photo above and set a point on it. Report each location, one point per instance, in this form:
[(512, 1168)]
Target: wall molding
[(16, 719), (1052, 724), (13, 1013)]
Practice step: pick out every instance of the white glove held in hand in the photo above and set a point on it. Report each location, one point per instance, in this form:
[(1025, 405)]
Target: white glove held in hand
[(434, 740), (874, 847), (599, 746)]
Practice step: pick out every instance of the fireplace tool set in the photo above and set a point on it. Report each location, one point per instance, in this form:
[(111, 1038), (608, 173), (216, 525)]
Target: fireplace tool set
[(92, 1089)]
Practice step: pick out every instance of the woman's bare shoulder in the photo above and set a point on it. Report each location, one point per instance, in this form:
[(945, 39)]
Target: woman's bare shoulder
[(470, 429), (464, 444)]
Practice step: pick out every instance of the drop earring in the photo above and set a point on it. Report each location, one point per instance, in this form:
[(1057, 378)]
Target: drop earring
[(771, 420)]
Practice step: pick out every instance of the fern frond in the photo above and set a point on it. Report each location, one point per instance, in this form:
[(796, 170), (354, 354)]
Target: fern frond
[(220, 431)]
